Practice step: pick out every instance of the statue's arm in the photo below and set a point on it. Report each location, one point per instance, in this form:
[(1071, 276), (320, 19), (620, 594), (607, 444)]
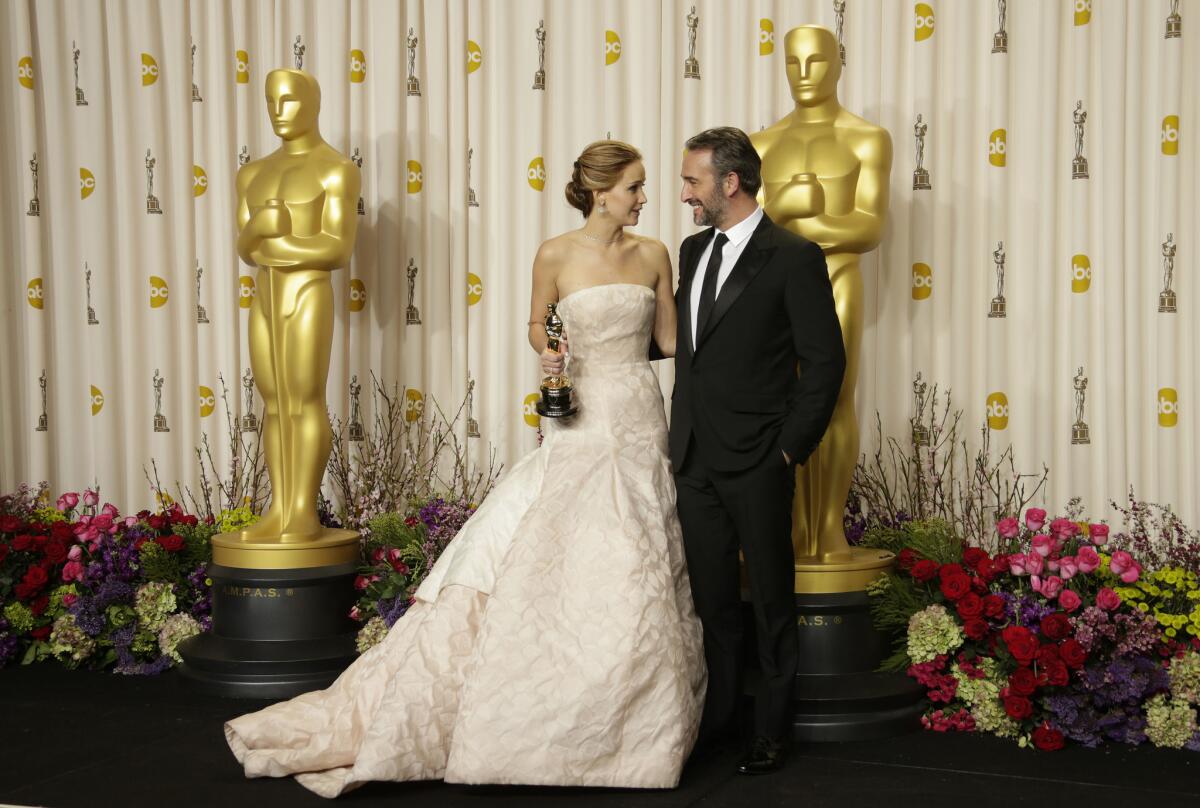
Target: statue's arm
[(860, 230), (248, 237), (332, 247)]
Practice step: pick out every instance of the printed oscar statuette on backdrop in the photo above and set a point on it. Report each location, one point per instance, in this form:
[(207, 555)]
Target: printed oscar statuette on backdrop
[(35, 204), (80, 98), (249, 419), (414, 84), (412, 315), (43, 423), (691, 67), (160, 420), (1079, 429), (355, 427), (472, 200), (999, 306), (201, 312), (920, 174), (356, 158), (152, 206), (472, 424), (92, 319), (1000, 38), (557, 399), (1079, 164), (920, 432), (839, 16), (1166, 298), (196, 99), (1174, 22), (539, 77)]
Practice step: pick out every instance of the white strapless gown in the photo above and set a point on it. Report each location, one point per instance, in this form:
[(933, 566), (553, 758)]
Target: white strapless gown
[(554, 642)]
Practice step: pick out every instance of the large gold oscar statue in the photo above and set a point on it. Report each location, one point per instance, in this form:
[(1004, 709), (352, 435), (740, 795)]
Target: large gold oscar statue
[(296, 223), (825, 176)]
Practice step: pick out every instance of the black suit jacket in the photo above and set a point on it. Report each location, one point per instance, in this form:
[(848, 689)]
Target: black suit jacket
[(737, 394)]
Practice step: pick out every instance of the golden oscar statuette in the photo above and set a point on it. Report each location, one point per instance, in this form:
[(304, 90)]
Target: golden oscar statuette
[(557, 399), (825, 176)]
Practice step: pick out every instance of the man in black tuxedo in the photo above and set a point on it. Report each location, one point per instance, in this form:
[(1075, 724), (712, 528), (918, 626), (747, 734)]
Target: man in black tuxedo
[(755, 304)]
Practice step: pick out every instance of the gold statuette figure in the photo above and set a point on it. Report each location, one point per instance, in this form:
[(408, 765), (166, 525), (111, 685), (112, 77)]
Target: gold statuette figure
[(296, 223), (825, 176)]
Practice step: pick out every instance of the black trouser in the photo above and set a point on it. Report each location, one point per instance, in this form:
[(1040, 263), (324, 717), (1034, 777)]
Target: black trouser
[(752, 510)]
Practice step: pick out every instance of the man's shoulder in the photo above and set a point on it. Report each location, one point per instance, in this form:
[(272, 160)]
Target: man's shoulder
[(787, 240)]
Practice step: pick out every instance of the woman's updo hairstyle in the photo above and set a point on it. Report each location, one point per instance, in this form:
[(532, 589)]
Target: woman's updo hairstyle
[(599, 168)]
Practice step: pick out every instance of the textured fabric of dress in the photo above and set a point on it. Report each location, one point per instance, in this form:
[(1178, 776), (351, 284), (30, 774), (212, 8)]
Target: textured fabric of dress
[(555, 641)]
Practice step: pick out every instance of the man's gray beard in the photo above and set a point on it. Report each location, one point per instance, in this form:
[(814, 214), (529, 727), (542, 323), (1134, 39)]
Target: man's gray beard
[(712, 210)]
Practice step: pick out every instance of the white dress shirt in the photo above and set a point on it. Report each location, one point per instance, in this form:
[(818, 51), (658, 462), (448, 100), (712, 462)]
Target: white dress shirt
[(739, 237)]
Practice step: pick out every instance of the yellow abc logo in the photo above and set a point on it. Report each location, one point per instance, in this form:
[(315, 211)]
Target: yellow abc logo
[(87, 183), (97, 400), (1081, 273), (199, 181), (924, 21), (612, 47), (997, 411), (1170, 135), (35, 294), (536, 173), (149, 70), (474, 56), (415, 177), (158, 292), (922, 282), (1168, 407), (1083, 12), (529, 410), (998, 147), (766, 37), (474, 289), (25, 72), (208, 401), (414, 405), (246, 291), (241, 66), (358, 66), (358, 295)]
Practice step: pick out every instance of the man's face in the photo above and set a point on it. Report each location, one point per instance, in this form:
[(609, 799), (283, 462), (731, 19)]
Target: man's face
[(813, 65), (701, 189), (291, 102)]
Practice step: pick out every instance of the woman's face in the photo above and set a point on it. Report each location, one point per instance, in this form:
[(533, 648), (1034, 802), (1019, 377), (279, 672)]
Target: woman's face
[(623, 202)]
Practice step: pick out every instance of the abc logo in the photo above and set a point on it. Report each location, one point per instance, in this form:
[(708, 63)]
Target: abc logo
[(415, 178), (474, 289), (149, 70), (1083, 12), (87, 183), (537, 174), (25, 72), (766, 37), (358, 295), (242, 66), (208, 401), (199, 181), (924, 21), (1081, 274), (612, 47), (1168, 407), (414, 405), (529, 410), (922, 286), (246, 291), (474, 56), (997, 411), (1170, 135), (97, 400), (998, 147), (35, 295), (158, 292), (358, 66)]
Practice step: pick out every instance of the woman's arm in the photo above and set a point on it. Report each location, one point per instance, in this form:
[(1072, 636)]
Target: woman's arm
[(664, 313), (543, 293)]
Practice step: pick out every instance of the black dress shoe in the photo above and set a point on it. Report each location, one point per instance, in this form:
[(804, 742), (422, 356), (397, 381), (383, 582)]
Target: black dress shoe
[(765, 756)]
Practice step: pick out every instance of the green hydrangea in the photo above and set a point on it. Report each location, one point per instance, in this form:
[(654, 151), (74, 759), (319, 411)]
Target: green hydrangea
[(56, 606), (371, 634), (153, 603), (982, 697), (1169, 722), (176, 629), (145, 643), (119, 615), (68, 643), (232, 519), (1185, 677), (47, 514), (19, 617), (932, 631)]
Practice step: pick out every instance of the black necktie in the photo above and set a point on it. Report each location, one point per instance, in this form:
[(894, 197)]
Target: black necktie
[(708, 292)]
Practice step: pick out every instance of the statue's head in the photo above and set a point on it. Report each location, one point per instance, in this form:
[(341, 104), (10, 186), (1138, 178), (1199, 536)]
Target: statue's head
[(293, 101), (814, 64)]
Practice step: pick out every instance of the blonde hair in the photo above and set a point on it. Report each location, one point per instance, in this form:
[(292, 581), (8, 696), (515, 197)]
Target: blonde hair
[(598, 168)]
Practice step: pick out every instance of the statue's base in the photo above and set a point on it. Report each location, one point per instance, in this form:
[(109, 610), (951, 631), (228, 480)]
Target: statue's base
[(276, 632), (850, 570), (999, 307), (330, 548), (1079, 168)]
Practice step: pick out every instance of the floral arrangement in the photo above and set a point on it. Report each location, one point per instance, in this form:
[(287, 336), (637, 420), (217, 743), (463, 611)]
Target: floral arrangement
[(1055, 637)]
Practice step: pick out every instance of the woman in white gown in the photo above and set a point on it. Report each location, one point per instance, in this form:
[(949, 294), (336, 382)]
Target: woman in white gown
[(555, 641)]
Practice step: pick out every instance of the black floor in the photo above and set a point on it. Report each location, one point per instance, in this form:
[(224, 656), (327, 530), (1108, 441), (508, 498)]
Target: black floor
[(76, 738)]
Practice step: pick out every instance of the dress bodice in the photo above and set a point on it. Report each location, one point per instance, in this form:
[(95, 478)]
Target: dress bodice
[(608, 324)]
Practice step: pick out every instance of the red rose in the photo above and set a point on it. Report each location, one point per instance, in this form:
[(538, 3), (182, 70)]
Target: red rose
[(1072, 653), (1022, 682), (1047, 738), (924, 570), (1048, 655), (993, 605), (973, 555), (62, 530), (1056, 673), (56, 551), (954, 586), (1020, 643), (35, 577), (975, 628), (157, 522), (969, 605), (978, 585), (39, 605), (10, 524), (948, 570), (1018, 707), (172, 543), (1055, 626), (40, 633), (39, 541), (22, 543), (906, 559)]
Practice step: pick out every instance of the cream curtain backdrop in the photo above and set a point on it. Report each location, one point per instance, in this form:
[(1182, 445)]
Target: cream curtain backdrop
[(1083, 257)]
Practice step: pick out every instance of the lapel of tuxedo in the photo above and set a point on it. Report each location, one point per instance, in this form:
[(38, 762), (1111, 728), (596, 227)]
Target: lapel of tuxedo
[(749, 264), (683, 303)]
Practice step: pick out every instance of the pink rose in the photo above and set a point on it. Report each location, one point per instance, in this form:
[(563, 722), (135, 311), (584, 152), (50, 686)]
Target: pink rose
[(1008, 527), (130, 521), (361, 582), (1108, 600), (1034, 563), (68, 599), (1043, 545), (377, 555), (1052, 564), (110, 510), (90, 498), (1064, 528), (1051, 587), (1016, 564), (1035, 518), (355, 614), (75, 553), (1124, 567), (103, 523), (68, 502), (1068, 567), (1087, 559), (1098, 534), (1069, 600), (72, 571)]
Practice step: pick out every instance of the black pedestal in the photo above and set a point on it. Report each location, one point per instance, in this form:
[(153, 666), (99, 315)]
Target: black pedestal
[(276, 633)]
